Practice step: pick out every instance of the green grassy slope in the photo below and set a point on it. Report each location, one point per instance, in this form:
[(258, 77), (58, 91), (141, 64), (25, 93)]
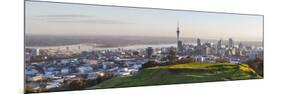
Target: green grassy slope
[(182, 73)]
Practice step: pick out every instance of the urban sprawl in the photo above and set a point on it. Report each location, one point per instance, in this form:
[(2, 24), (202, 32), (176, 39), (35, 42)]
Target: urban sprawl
[(57, 69)]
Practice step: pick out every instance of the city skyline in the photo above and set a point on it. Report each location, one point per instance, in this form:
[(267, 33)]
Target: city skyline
[(42, 18), (85, 47)]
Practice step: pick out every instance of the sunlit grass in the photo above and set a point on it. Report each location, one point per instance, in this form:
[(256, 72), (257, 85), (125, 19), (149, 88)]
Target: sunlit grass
[(182, 73)]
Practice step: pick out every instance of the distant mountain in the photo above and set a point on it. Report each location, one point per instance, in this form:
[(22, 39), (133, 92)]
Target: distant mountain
[(182, 73)]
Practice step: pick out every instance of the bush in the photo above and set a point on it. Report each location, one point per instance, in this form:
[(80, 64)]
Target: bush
[(223, 61), (185, 60), (77, 84), (150, 64), (28, 89)]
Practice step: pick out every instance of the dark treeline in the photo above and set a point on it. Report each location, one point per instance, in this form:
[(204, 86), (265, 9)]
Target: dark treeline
[(155, 63), (257, 65)]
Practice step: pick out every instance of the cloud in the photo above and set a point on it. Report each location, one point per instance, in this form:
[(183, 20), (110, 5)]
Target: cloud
[(70, 18), (93, 21), (65, 16)]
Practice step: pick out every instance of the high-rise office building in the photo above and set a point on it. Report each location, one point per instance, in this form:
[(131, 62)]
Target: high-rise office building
[(180, 46), (219, 44), (198, 42), (240, 46), (230, 43), (199, 48), (149, 52), (207, 50)]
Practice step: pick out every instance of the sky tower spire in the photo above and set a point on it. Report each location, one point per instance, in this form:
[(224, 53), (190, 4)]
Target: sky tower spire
[(178, 35), (178, 25), (178, 30)]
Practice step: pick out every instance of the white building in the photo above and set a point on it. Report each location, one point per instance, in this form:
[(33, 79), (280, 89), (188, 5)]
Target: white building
[(105, 65), (85, 69), (31, 72), (65, 61), (137, 66), (64, 71), (53, 84), (92, 76), (234, 61), (200, 58), (37, 78)]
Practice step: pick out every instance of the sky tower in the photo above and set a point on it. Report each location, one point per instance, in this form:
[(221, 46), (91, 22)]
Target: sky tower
[(178, 35)]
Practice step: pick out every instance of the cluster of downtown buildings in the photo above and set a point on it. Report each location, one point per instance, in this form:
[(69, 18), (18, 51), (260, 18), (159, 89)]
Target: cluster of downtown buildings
[(214, 52), (47, 69)]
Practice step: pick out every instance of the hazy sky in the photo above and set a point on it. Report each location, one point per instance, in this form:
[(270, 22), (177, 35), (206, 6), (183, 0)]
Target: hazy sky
[(75, 19)]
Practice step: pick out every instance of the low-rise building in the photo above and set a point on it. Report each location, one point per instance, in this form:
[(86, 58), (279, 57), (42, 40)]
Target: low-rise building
[(85, 69)]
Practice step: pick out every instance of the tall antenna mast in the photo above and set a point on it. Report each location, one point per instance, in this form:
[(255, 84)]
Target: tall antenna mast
[(178, 24)]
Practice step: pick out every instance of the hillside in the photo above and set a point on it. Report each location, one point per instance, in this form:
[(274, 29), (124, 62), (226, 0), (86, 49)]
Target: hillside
[(182, 73)]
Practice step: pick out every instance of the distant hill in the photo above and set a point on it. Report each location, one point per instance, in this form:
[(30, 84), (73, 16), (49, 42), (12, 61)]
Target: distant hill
[(182, 73)]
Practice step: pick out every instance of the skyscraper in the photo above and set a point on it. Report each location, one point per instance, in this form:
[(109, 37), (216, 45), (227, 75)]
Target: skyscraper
[(219, 44), (240, 46), (219, 48), (199, 47), (149, 52), (198, 42), (230, 43), (180, 46)]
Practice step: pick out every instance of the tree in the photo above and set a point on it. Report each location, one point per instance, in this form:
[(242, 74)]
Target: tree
[(172, 56), (223, 61), (150, 64), (28, 89), (77, 84), (185, 60), (257, 65)]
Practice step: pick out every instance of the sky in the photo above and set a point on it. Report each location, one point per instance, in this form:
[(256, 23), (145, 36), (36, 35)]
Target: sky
[(46, 18)]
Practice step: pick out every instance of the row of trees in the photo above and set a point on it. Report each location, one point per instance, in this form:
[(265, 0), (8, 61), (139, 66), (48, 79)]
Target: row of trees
[(155, 63)]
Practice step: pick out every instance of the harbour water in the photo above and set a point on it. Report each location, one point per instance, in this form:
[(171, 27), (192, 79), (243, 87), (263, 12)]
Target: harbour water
[(92, 46)]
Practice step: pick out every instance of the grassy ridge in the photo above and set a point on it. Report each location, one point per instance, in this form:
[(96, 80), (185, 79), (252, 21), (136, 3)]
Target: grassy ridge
[(182, 73)]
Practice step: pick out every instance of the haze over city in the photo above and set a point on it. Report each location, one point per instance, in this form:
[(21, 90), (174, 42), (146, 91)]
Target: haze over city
[(74, 19)]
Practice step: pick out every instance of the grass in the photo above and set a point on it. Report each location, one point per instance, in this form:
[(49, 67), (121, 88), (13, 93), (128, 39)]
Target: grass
[(182, 73)]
